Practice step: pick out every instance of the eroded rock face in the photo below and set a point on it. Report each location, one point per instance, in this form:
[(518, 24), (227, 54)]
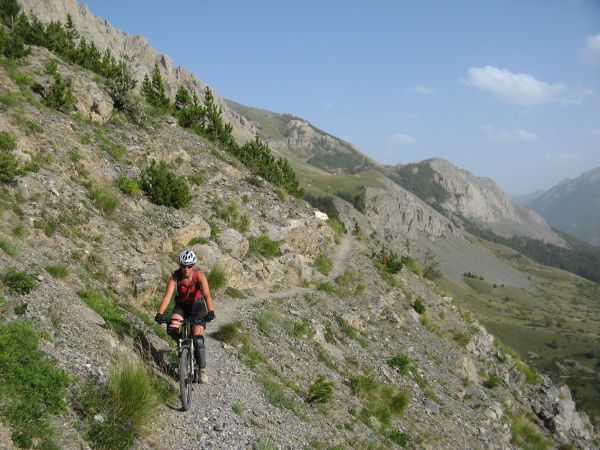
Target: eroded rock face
[(396, 214), (144, 56), (556, 408), (480, 199)]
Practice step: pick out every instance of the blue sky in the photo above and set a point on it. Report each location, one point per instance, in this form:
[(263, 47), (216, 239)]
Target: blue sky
[(503, 88)]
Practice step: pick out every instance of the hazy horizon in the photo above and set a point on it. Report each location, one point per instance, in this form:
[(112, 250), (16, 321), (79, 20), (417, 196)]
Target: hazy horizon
[(506, 90)]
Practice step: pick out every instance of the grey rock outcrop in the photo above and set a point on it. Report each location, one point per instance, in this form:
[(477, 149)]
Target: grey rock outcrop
[(233, 242), (481, 200), (396, 214)]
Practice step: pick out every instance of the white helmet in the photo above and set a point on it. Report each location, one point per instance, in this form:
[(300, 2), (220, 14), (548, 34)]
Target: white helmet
[(187, 258)]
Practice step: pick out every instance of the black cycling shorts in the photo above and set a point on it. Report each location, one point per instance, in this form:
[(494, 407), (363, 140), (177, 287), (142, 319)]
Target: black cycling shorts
[(196, 310)]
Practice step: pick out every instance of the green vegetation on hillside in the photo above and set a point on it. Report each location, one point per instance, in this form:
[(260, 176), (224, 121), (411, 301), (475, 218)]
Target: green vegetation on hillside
[(31, 387), (205, 119), (553, 327), (418, 178), (579, 258)]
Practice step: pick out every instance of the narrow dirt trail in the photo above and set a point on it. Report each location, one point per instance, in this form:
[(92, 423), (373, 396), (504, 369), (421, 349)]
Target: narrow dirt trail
[(341, 256), (214, 420)]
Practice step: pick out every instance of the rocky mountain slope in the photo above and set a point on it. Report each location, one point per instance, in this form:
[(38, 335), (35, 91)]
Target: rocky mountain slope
[(574, 206), (404, 368), (460, 193)]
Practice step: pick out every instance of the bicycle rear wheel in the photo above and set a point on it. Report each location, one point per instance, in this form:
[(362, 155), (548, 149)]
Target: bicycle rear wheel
[(185, 378)]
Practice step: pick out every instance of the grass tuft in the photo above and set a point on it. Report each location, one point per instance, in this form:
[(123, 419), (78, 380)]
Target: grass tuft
[(19, 282)]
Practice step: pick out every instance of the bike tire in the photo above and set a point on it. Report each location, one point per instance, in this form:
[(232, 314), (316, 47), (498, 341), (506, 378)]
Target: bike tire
[(185, 378)]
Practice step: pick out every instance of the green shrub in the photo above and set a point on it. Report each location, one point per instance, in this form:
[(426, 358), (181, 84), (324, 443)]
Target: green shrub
[(492, 382), (419, 306), (320, 391), (275, 393), (127, 404), (10, 248), (75, 155), (31, 387), (531, 376), (412, 265), (196, 179), (242, 224), (9, 167), (229, 213), (266, 319), (104, 199), (327, 287), (401, 362), (337, 226), (235, 293), (250, 356), (19, 282), (383, 401), (461, 339), (129, 186), (164, 187), (59, 95), (7, 141), (323, 264), (238, 408), (263, 246), (51, 67), (58, 270), (525, 435), (217, 278), (403, 439), (111, 313), (232, 333), (390, 261)]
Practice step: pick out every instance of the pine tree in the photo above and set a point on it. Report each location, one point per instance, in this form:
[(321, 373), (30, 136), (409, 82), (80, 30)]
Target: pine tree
[(59, 95), (71, 36), (9, 11), (160, 97), (147, 91), (37, 35), (121, 84), (182, 98)]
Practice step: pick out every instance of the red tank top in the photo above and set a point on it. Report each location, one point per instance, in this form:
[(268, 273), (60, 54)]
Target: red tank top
[(187, 291)]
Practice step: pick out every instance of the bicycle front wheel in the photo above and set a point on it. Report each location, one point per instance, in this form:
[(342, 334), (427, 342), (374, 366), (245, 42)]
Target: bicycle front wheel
[(185, 377)]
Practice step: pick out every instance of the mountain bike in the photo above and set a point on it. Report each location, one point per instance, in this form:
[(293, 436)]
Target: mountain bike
[(187, 361)]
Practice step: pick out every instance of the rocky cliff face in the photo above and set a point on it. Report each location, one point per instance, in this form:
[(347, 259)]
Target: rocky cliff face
[(574, 206), (480, 200), (104, 36)]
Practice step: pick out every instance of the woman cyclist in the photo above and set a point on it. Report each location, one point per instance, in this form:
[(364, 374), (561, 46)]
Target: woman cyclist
[(192, 300)]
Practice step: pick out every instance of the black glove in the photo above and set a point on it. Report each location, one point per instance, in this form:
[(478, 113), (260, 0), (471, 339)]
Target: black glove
[(209, 316), (159, 318)]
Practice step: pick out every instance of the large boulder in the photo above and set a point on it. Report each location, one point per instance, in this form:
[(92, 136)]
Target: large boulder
[(91, 101), (145, 283), (233, 242), (482, 343), (208, 254), (198, 229)]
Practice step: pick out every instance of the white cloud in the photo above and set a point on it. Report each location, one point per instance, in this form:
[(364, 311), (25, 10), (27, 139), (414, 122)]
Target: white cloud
[(518, 88), (421, 89), (595, 131), (590, 54), (516, 135), (402, 139)]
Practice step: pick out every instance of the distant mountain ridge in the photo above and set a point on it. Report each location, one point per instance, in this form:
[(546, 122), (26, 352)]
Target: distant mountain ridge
[(525, 199), (574, 206)]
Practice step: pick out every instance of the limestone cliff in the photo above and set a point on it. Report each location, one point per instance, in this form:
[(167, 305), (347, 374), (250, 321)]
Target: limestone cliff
[(481, 200)]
